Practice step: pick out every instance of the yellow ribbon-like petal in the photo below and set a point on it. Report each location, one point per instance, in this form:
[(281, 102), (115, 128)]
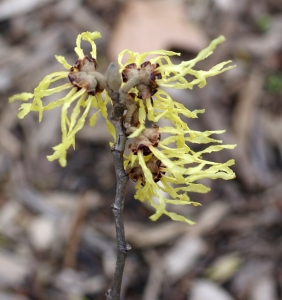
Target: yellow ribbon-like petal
[(63, 61), (22, 96), (89, 37)]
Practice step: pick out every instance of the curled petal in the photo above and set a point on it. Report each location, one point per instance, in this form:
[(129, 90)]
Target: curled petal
[(63, 61), (68, 136), (86, 36), (22, 96)]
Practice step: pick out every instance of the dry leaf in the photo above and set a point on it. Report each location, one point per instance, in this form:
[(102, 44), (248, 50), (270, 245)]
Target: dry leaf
[(224, 267), (152, 25)]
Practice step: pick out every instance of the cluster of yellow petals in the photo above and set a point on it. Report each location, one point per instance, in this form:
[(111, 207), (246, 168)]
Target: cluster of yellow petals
[(183, 166), (73, 122)]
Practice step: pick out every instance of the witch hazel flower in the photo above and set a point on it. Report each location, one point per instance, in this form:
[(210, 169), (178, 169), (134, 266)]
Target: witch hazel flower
[(146, 75), (86, 89), (167, 170), (159, 159)]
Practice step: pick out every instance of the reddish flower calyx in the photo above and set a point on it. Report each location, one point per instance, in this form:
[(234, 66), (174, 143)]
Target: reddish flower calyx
[(147, 75), (83, 75), (148, 137), (87, 64), (156, 167)]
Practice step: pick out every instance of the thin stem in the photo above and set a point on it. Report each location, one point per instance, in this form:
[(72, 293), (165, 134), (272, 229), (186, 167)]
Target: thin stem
[(122, 179), (117, 208)]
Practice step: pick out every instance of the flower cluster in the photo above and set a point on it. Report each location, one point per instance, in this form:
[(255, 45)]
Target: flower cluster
[(86, 91), (165, 169)]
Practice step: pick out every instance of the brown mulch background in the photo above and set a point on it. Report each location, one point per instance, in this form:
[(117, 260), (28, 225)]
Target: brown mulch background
[(57, 238)]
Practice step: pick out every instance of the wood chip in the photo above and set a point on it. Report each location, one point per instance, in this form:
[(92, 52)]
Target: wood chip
[(203, 290), (154, 235), (248, 276), (42, 233), (181, 258), (246, 107), (13, 269), (264, 288), (211, 217), (156, 275)]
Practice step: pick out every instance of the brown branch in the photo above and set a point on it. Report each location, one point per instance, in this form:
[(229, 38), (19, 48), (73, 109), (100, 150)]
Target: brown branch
[(114, 82)]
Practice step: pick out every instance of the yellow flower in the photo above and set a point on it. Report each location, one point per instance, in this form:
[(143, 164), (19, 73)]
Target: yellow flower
[(163, 73), (173, 75), (176, 170), (86, 89), (166, 170)]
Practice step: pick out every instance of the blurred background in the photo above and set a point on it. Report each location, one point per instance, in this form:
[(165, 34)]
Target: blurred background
[(57, 234)]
